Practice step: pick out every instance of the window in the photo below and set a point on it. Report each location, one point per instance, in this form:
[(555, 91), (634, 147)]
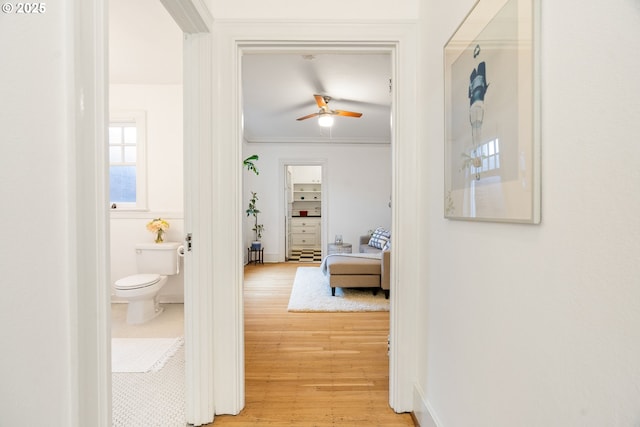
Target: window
[(489, 155), (127, 161)]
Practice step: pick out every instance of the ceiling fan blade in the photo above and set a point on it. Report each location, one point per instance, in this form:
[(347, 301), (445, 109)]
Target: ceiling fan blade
[(347, 113), (308, 116), (320, 101)]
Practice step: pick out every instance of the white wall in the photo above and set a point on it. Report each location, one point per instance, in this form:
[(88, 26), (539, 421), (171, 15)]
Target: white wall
[(522, 325), (163, 107), (36, 182), (539, 325), (357, 189)]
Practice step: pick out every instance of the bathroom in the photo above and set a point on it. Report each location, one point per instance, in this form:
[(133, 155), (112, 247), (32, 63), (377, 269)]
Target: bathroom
[(145, 89), (146, 152), (161, 108)]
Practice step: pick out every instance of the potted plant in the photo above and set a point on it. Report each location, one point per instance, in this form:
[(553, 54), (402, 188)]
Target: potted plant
[(250, 164), (257, 228)]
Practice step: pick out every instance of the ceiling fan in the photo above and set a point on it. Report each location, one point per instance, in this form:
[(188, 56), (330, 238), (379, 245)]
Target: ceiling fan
[(325, 115)]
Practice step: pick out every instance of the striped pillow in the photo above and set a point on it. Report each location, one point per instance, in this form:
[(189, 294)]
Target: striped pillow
[(380, 238)]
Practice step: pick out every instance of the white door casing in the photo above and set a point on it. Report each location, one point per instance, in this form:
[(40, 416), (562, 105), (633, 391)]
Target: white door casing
[(283, 247), (232, 40), (195, 21)]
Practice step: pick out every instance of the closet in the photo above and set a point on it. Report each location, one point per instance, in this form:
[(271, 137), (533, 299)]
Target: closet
[(304, 208)]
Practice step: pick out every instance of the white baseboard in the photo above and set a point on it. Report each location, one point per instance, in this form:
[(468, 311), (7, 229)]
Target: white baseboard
[(272, 258), (422, 411)]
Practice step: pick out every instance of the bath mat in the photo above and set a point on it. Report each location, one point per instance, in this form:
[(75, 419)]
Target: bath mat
[(151, 398), (142, 354)]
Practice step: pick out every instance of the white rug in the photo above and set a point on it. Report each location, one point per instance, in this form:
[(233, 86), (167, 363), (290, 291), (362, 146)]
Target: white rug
[(153, 398), (142, 354), (311, 292)]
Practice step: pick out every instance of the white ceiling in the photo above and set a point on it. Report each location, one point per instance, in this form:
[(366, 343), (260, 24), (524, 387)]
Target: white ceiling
[(145, 47), (278, 88)]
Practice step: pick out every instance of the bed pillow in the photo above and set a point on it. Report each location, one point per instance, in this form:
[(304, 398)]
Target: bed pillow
[(380, 238)]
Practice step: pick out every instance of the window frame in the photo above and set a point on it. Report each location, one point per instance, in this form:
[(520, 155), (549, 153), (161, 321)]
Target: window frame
[(488, 152), (139, 118)]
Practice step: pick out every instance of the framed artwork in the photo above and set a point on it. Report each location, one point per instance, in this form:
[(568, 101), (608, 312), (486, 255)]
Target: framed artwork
[(492, 129)]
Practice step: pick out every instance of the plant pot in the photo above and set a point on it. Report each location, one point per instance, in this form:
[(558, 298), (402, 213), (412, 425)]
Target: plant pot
[(256, 246)]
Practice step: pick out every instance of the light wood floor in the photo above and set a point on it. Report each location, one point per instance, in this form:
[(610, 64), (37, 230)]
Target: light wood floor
[(311, 369)]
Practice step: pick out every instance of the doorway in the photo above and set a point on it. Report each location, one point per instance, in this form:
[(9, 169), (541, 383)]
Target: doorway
[(305, 218), (328, 149), (236, 39), (146, 146)]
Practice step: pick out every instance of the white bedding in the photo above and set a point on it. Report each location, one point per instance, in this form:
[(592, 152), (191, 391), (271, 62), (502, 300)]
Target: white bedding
[(369, 255)]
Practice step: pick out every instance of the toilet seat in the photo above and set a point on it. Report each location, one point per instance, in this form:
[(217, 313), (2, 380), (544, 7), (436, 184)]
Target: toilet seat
[(137, 281)]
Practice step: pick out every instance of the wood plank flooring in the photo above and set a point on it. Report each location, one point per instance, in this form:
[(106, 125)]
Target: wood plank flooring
[(311, 369)]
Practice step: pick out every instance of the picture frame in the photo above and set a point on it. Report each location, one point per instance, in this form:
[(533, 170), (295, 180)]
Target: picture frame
[(492, 114)]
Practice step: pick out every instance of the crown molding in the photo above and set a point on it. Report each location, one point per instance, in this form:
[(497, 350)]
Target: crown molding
[(317, 140)]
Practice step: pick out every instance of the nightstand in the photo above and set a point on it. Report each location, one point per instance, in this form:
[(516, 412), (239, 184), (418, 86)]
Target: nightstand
[(343, 248)]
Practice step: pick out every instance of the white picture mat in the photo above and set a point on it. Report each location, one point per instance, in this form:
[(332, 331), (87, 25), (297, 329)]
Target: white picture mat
[(501, 35)]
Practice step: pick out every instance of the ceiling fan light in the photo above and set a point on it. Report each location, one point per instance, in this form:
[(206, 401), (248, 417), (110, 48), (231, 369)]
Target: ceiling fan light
[(325, 120)]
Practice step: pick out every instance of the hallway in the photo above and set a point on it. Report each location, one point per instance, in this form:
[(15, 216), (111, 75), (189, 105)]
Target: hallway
[(311, 369)]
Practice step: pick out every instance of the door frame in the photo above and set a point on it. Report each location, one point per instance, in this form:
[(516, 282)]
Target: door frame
[(324, 212), (232, 39), (88, 42)]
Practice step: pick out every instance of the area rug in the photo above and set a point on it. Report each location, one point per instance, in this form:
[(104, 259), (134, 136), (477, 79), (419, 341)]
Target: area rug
[(152, 398), (142, 354), (311, 292)]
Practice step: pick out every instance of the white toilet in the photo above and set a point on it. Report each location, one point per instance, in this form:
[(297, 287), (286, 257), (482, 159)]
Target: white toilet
[(155, 261)]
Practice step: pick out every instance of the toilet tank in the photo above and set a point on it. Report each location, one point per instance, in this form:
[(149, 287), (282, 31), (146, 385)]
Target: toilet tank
[(159, 258)]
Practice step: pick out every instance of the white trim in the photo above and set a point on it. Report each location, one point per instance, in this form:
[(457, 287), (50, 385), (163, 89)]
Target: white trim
[(422, 411), (90, 353), (227, 257), (192, 16), (198, 215), (404, 212), (398, 37), (316, 140)]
